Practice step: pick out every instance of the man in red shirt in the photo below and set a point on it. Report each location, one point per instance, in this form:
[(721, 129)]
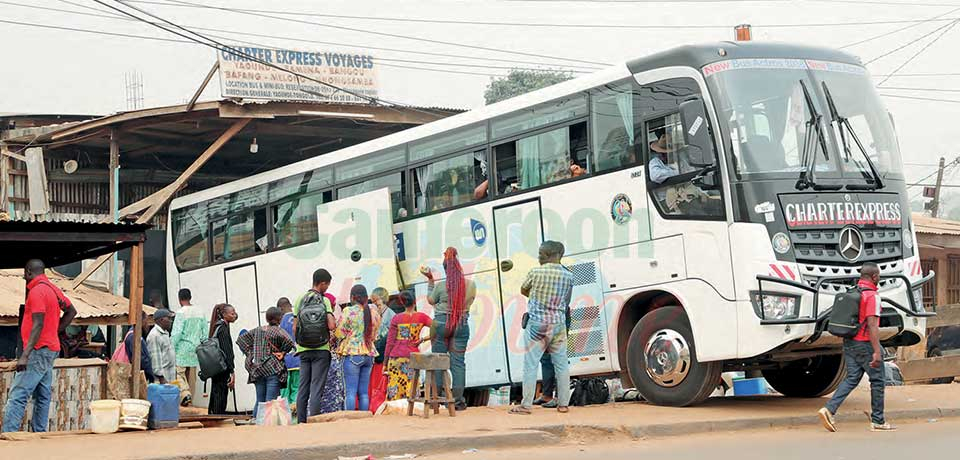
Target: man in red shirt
[(40, 332), (863, 354)]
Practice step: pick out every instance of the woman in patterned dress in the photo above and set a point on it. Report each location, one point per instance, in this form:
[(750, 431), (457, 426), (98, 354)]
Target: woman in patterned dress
[(402, 340), (334, 391)]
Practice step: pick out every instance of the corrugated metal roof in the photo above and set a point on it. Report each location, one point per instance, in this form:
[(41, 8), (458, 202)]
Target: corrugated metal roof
[(90, 302), (933, 226), (59, 243)]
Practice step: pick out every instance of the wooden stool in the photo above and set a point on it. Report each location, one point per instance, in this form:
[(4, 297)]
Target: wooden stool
[(431, 363)]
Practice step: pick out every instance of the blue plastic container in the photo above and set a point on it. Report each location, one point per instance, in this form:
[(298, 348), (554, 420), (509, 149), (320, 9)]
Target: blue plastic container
[(164, 406), (749, 387)]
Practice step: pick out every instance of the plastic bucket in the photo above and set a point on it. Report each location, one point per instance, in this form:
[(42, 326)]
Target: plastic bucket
[(133, 413), (105, 416)]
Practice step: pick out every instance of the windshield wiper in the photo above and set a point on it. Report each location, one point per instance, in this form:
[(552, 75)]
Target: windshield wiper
[(874, 180), (808, 157)]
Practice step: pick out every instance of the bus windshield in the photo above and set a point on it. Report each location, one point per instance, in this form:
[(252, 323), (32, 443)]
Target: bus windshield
[(762, 112)]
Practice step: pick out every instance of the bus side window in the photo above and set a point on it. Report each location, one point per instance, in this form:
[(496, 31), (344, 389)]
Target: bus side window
[(615, 125), (240, 235), (447, 183), (541, 159), (191, 236), (295, 221)]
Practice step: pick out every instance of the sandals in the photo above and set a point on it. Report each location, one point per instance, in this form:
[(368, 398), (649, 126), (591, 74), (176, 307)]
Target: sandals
[(563, 409), (520, 410)]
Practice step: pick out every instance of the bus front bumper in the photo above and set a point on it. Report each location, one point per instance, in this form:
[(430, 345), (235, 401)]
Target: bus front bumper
[(818, 316)]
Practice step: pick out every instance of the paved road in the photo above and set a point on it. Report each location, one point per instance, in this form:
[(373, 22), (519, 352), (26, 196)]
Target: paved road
[(914, 441)]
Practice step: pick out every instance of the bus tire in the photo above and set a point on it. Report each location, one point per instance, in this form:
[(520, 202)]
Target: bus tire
[(661, 359), (807, 378)]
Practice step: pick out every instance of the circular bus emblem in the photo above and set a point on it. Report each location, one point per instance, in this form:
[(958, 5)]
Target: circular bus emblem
[(851, 243), (621, 209)]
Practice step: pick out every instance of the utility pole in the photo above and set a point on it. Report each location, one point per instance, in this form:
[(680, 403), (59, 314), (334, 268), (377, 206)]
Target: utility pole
[(935, 207)]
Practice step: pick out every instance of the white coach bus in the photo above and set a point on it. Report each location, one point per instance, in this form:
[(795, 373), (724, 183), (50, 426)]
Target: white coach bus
[(712, 200)]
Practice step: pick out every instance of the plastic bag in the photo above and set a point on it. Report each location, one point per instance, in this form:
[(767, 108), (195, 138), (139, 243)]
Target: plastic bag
[(274, 413), (499, 397), (120, 356)]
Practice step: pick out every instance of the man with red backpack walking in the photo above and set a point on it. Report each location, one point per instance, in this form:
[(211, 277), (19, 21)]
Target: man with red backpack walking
[(39, 331), (862, 353)]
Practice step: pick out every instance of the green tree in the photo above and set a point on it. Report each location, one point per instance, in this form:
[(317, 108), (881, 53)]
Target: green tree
[(519, 82)]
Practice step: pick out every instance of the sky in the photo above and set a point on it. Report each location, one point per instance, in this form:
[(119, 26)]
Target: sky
[(49, 70)]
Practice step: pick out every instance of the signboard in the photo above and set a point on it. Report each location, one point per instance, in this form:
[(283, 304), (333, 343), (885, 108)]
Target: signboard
[(929, 192), (243, 75), (839, 209)]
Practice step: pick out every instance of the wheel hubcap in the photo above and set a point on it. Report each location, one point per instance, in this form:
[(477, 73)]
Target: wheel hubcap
[(667, 358)]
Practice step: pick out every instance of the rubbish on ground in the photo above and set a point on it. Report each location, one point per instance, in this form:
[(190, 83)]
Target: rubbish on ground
[(400, 457), (499, 397), (932, 420), (274, 413), (362, 457), (399, 407), (470, 451), (616, 389), (340, 415)]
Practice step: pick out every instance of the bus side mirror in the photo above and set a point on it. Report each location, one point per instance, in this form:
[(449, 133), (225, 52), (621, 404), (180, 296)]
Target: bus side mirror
[(699, 149)]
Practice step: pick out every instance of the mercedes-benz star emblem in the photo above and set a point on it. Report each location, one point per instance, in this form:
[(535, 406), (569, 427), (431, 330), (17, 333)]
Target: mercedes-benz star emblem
[(851, 243)]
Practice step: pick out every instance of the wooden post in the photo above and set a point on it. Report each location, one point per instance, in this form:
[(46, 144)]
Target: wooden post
[(135, 315), (114, 202), (206, 81), (158, 200), (5, 181)]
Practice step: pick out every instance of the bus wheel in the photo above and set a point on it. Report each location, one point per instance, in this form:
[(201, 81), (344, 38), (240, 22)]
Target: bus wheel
[(661, 359), (807, 378)]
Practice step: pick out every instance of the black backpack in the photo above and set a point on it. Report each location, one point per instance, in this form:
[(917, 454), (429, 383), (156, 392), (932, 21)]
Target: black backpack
[(844, 318), (587, 391), (211, 359), (312, 330)]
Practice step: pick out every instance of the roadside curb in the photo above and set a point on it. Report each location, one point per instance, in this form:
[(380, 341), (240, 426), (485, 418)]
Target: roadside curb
[(519, 438), (712, 426), (548, 434)]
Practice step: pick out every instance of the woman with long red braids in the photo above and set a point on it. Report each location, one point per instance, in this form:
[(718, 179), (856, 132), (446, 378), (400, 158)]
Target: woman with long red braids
[(451, 300)]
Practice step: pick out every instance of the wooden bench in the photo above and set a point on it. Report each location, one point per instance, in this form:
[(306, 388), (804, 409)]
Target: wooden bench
[(431, 363)]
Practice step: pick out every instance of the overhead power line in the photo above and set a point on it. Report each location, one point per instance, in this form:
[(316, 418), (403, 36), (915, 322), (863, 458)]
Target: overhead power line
[(919, 52), (223, 48), (887, 34), (938, 29), (116, 16), (184, 4), (937, 90), (918, 98), (391, 35)]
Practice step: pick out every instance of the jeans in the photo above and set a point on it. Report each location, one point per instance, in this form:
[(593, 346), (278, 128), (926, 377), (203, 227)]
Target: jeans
[(546, 338), (456, 350), (549, 376), (35, 381), (356, 376), (314, 365), (857, 356), (268, 389)]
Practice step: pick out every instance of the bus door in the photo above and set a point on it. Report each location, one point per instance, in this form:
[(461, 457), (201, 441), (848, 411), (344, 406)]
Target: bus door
[(355, 235), (241, 289), (518, 230)]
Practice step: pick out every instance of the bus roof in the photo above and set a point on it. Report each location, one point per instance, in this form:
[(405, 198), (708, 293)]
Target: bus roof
[(699, 55), (695, 56)]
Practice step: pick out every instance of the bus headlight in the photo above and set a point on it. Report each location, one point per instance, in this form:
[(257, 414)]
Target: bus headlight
[(908, 239), (775, 306), (781, 243)]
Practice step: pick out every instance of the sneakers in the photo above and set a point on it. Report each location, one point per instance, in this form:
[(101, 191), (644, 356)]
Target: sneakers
[(882, 427), (826, 418)]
